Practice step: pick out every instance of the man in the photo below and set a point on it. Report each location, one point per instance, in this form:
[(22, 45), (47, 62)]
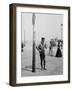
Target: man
[(22, 46), (41, 48)]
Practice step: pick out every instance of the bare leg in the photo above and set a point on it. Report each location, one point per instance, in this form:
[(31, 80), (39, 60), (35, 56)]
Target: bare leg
[(41, 62), (44, 64)]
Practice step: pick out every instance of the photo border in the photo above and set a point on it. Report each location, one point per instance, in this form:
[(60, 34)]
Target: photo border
[(12, 62)]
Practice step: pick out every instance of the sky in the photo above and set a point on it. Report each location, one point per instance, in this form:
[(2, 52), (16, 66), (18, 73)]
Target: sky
[(46, 25)]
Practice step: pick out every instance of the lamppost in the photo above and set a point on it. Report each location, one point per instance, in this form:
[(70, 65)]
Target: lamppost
[(61, 31), (61, 36), (24, 38), (33, 56)]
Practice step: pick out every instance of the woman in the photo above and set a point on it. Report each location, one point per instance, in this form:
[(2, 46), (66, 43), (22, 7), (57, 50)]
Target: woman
[(58, 53), (51, 49)]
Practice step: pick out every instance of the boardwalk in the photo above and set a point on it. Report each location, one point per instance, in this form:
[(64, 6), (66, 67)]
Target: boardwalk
[(54, 65)]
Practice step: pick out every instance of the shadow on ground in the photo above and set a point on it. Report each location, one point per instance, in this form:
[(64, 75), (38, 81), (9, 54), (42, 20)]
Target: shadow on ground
[(29, 68)]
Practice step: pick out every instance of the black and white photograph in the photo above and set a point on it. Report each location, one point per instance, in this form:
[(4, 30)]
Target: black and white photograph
[(41, 44)]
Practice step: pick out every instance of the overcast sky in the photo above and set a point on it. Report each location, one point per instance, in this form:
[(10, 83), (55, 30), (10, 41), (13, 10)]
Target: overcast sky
[(46, 25)]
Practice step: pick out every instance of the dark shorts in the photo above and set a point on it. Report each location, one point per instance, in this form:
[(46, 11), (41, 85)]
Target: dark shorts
[(42, 55)]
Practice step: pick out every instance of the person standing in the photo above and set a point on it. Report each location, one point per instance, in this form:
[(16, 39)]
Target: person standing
[(22, 46), (58, 53), (51, 49), (41, 48)]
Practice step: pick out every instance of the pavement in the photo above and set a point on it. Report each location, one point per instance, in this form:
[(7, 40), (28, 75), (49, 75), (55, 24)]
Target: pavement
[(54, 65)]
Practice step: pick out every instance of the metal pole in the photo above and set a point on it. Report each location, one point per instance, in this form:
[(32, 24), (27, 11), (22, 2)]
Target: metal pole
[(33, 57), (24, 37), (61, 30), (62, 35)]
